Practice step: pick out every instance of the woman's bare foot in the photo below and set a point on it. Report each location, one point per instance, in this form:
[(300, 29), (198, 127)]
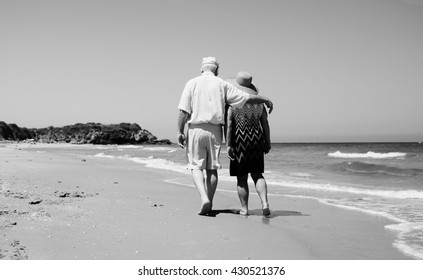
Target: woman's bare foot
[(205, 208), (266, 212)]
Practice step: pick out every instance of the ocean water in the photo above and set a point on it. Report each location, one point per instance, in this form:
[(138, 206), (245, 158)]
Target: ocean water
[(383, 179)]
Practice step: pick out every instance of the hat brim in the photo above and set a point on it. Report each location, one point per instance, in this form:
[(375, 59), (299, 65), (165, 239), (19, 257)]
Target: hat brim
[(251, 90)]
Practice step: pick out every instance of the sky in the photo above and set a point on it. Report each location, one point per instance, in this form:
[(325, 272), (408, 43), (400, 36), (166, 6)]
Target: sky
[(336, 70)]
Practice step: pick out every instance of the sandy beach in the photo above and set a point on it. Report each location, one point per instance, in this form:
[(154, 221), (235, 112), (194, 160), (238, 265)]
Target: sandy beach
[(63, 207)]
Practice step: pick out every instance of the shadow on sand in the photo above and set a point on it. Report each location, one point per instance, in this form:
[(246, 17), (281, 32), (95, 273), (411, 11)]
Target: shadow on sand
[(257, 212), (276, 213)]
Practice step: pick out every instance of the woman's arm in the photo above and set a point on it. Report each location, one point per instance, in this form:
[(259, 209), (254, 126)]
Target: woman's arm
[(229, 133), (266, 130)]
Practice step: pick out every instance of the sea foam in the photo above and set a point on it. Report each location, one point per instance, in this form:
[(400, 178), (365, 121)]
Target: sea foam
[(160, 149), (103, 155), (152, 162), (339, 154), (400, 194)]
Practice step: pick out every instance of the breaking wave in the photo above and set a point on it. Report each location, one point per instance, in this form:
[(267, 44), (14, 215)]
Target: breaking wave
[(391, 155), (370, 168)]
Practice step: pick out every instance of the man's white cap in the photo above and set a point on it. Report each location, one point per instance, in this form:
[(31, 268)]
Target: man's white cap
[(207, 61)]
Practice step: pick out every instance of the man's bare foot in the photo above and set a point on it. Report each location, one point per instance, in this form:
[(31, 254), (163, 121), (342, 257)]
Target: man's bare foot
[(266, 212), (243, 212), (205, 208)]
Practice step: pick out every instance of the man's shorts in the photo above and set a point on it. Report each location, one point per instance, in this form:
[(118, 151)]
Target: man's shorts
[(203, 146)]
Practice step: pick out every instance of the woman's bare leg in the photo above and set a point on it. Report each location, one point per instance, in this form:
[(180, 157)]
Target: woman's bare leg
[(243, 193), (261, 188)]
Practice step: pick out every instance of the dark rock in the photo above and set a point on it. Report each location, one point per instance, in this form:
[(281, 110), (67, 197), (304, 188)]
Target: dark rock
[(89, 133), (64, 194), (35, 201), (14, 132)]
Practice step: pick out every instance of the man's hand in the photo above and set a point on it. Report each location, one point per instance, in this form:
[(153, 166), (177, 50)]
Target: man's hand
[(181, 140), (182, 119), (269, 105)]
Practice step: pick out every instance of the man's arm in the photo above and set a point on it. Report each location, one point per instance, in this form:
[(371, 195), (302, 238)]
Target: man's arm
[(258, 99), (237, 97), (182, 119)]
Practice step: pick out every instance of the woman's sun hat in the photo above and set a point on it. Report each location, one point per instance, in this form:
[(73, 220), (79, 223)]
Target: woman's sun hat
[(243, 81)]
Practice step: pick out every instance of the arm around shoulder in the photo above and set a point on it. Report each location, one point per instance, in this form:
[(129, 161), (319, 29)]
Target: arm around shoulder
[(258, 99)]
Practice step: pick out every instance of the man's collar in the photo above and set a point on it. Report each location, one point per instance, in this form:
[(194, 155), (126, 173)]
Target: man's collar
[(207, 73)]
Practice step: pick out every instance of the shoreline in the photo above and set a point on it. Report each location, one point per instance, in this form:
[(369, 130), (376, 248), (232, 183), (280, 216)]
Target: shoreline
[(61, 207)]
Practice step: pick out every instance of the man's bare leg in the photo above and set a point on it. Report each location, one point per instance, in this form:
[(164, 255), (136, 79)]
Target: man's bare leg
[(261, 188), (243, 193), (198, 177), (211, 184)]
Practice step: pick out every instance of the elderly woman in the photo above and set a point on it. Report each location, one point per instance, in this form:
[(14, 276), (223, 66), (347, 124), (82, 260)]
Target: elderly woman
[(248, 139)]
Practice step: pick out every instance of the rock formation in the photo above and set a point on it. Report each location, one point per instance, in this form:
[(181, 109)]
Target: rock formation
[(89, 133)]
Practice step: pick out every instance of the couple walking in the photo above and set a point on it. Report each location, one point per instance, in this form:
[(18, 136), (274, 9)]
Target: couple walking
[(206, 105)]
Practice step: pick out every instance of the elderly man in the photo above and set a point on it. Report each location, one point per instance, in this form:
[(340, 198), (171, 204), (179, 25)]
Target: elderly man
[(202, 106)]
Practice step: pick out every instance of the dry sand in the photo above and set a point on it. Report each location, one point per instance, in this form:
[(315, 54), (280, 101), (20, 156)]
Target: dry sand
[(59, 207)]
